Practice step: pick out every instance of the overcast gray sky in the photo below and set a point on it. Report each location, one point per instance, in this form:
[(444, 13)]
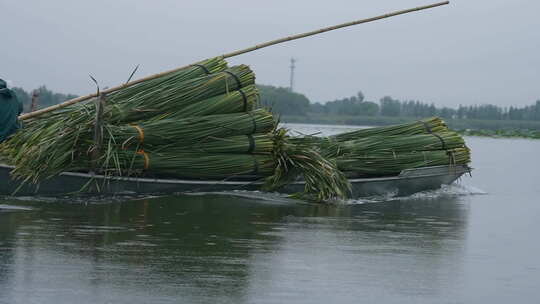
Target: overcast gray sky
[(470, 52)]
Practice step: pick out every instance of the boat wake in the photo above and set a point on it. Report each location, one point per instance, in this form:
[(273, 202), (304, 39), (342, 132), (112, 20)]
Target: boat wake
[(446, 191), (260, 196), (12, 208)]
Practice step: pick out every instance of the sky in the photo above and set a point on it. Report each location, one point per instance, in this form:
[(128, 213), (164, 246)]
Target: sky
[(469, 52)]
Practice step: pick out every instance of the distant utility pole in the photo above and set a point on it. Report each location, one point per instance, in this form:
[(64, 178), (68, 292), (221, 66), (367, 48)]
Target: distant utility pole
[(293, 61)]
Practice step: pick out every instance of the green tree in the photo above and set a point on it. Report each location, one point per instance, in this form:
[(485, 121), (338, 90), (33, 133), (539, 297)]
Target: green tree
[(390, 107), (23, 97), (46, 97), (360, 96), (283, 101)]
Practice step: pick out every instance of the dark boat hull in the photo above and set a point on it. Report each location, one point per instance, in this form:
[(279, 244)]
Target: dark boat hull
[(408, 182)]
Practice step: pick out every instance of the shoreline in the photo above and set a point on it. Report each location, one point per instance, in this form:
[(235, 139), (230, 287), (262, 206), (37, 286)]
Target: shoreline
[(483, 128)]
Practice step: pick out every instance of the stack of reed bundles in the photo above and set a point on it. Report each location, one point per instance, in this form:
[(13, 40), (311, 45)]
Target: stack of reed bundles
[(201, 122), (388, 150)]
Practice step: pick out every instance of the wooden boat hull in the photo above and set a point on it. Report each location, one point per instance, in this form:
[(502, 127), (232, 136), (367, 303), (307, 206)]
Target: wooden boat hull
[(408, 182)]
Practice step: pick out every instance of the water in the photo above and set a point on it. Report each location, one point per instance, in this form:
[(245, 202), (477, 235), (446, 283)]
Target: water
[(475, 242)]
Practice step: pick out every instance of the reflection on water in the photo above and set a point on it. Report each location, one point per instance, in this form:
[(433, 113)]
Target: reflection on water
[(235, 248)]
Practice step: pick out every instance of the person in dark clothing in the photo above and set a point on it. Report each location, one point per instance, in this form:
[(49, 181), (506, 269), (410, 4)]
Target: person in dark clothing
[(10, 109)]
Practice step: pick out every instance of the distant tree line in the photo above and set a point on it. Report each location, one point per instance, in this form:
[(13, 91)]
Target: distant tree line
[(46, 97), (285, 102), (282, 101)]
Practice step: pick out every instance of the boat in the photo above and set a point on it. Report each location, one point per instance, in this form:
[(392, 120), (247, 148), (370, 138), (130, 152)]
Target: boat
[(409, 181)]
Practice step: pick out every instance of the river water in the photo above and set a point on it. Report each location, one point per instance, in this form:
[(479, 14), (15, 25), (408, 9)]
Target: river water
[(474, 242)]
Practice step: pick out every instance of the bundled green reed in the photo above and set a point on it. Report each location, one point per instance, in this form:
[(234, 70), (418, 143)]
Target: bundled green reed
[(249, 144), (147, 104), (87, 110), (191, 130), (428, 125), (192, 164), (270, 156), (48, 152), (381, 163), (40, 153), (200, 69), (241, 100), (388, 150), (324, 181), (50, 142), (54, 142), (396, 143), (274, 158)]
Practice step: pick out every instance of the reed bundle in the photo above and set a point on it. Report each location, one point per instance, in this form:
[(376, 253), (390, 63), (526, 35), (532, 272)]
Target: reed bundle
[(192, 165), (147, 104), (381, 163), (61, 140), (270, 157), (242, 100), (197, 70), (49, 151), (323, 180), (396, 143), (428, 125), (86, 110), (249, 144), (388, 150), (192, 130)]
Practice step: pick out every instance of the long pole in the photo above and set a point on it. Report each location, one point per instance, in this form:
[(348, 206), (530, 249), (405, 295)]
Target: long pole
[(232, 54), (335, 27)]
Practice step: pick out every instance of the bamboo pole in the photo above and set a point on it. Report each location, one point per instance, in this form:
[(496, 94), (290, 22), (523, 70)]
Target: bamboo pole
[(232, 54), (335, 27)]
